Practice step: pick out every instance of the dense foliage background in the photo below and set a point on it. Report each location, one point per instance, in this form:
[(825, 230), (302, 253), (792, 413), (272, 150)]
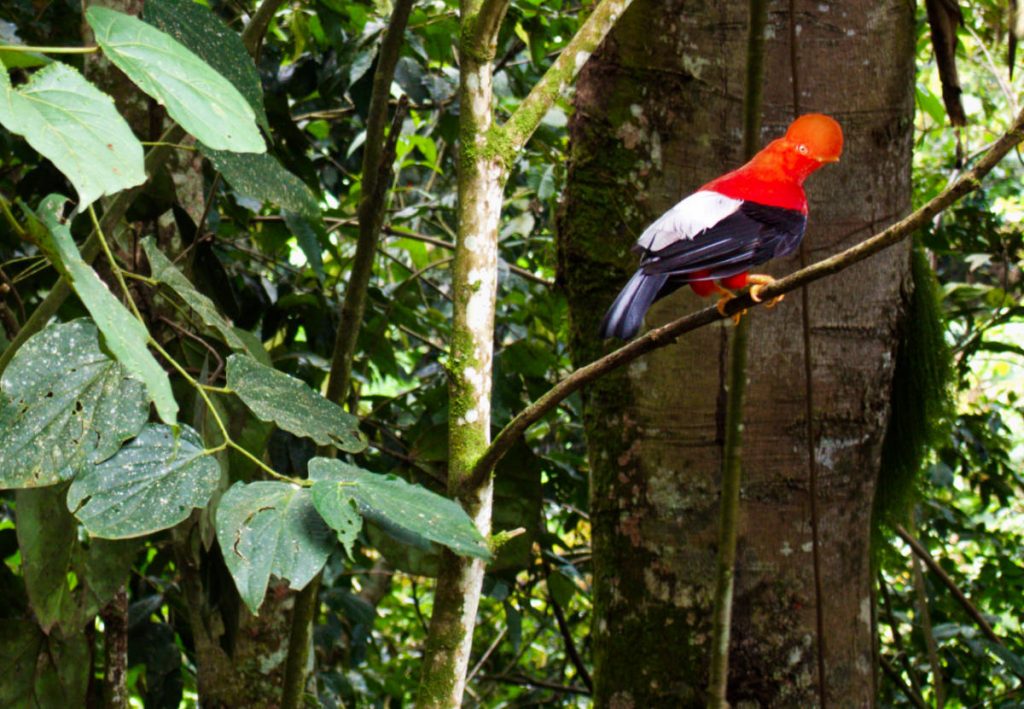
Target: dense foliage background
[(281, 278)]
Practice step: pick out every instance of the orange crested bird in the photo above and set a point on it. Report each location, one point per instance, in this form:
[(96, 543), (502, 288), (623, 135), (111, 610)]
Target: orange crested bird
[(712, 239)]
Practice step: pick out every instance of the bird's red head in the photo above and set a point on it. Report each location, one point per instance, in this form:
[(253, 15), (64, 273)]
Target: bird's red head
[(816, 136)]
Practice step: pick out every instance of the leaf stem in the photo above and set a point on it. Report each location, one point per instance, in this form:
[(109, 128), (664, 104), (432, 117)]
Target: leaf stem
[(114, 267), (176, 146), (47, 50)]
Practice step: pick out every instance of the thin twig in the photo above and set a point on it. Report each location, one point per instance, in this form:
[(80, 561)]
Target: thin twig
[(915, 698), (950, 584), (538, 683), (570, 644), (926, 630)]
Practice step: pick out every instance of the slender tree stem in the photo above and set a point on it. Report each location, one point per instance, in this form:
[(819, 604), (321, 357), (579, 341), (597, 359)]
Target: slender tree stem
[(729, 517), (486, 155), (926, 631), (115, 651), (667, 334), (378, 157)]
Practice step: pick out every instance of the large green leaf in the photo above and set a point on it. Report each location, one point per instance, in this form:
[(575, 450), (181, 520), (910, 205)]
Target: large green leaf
[(205, 103), (64, 403), (260, 176), (123, 334), (269, 528), (204, 33), (76, 126), (292, 405), (164, 271), (396, 503), (152, 483)]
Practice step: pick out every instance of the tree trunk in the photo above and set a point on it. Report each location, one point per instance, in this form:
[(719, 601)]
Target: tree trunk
[(658, 114)]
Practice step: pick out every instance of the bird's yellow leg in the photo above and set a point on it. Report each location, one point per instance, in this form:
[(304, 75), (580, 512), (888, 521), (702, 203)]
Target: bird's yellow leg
[(757, 283), (727, 295)]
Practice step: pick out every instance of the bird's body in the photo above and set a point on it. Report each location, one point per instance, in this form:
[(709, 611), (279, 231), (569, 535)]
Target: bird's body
[(739, 220)]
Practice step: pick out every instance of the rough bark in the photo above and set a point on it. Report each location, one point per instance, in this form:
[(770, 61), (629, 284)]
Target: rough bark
[(657, 114)]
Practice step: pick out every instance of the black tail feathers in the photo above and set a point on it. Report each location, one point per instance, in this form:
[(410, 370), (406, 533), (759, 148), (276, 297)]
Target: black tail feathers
[(624, 318)]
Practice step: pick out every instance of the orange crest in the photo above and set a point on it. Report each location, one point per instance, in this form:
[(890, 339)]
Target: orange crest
[(816, 135)]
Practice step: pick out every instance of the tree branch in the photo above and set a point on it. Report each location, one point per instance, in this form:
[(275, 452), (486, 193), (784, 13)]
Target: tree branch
[(949, 583), (521, 125), (667, 334), (486, 24), (252, 35)]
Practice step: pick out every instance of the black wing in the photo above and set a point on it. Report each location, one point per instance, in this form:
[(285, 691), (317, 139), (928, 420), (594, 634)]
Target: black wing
[(753, 234)]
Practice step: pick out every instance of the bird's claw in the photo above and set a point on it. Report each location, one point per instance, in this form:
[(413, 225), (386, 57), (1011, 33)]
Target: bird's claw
[(758, 282), (723, 302)]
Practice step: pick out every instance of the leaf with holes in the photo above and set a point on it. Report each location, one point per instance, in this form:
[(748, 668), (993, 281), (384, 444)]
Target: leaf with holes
[(269, 528), (214, 42), (164, 271), (340, 511), (64, 403), (123, 334), (152, 483), (77, 127), (395, 502), (197, 97), (292, 405)]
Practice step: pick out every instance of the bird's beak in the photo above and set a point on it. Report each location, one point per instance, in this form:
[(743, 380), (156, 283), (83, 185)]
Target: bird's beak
[(832, 159)]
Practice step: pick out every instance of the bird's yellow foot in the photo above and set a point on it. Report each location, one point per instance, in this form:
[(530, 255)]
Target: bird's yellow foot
[(727, 295), (757, 283)]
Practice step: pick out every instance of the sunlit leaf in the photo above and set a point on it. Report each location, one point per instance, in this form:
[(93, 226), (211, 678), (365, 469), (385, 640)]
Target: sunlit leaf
[(204, 33), (394, 501), (205, 103), (123, 334), (76, 126)]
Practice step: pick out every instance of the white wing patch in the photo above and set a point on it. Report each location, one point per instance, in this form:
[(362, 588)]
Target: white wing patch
[(698, 212)]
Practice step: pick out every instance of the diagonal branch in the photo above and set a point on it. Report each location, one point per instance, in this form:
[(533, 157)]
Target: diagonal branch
[(521, 125), (667, 334)]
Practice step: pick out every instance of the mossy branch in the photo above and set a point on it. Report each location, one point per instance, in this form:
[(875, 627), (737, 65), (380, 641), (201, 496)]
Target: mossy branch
[(666, 334), (483, 30), (510, 138)]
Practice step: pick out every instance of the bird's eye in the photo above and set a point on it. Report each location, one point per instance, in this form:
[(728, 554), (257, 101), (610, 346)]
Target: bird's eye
[(802, 149)]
